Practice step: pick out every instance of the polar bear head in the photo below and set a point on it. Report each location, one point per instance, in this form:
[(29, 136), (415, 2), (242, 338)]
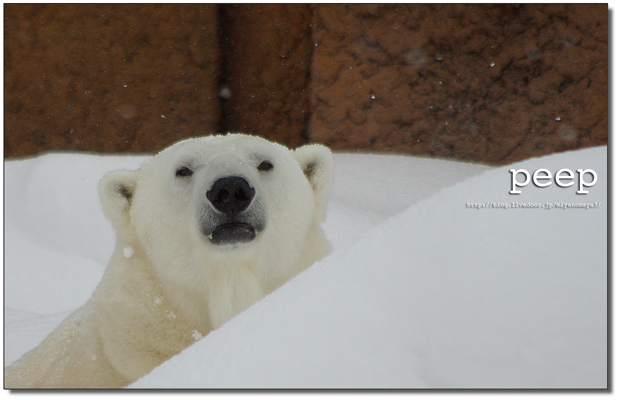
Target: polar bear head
[(218, 209)]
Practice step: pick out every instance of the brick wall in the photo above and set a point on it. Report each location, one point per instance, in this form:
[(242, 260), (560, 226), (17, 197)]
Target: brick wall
[(493, 83)]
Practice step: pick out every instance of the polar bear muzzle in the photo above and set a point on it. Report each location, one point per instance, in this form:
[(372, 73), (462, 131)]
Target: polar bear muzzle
[(231, 197)]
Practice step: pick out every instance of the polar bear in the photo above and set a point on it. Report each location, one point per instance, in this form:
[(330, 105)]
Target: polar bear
[(204, 229)]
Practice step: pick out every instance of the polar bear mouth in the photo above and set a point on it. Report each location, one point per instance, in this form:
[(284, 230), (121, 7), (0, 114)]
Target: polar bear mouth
[(232, 233)]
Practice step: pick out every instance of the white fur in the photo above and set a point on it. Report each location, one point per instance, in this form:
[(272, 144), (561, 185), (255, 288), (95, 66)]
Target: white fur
[(166, 284)]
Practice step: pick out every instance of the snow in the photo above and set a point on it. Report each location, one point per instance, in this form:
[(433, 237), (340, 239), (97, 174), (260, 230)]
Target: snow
[(421, 291), (128, 251)]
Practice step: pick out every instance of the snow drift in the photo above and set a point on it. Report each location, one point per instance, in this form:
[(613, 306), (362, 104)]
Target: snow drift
[(422, 291)]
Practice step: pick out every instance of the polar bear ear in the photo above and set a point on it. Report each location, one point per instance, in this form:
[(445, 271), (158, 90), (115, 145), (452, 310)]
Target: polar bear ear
[(116, 190), (317, 163)]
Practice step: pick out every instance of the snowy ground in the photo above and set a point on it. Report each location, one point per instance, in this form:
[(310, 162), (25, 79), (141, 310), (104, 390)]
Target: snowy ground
[(420, 292)]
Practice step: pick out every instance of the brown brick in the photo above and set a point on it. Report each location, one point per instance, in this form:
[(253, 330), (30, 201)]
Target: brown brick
[(476, 82), (267, 57), (108, 78)]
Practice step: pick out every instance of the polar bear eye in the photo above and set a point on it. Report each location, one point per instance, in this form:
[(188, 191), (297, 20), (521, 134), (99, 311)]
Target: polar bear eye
[(265, 166), (184, 171)]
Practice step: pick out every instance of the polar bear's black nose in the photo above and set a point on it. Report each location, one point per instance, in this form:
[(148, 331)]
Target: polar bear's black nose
[(231, 195)]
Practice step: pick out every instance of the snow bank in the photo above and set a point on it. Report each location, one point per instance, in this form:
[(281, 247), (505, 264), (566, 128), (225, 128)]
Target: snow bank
[(420, 292), (439, 296), (57, 240)]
